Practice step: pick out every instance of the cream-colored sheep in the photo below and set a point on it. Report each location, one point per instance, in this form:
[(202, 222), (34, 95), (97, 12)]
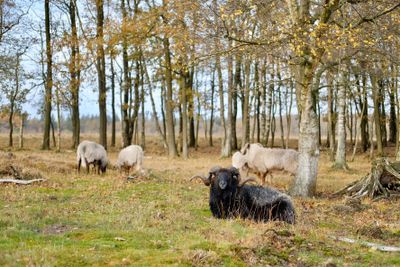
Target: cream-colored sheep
[(131, 157), (260, 160)]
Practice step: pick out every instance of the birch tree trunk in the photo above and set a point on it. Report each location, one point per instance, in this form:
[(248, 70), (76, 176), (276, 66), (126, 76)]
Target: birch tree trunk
[(210, 140), (269, 105), (300, 14), (340, 158), (289, 113), (227, 148), (306, 177), (169, 119)]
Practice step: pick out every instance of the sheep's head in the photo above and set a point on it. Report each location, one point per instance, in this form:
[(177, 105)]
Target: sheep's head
[(238, 160), (223, 178)]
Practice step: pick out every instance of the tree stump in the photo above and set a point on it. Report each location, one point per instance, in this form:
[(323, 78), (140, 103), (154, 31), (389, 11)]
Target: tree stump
[(383, 181)]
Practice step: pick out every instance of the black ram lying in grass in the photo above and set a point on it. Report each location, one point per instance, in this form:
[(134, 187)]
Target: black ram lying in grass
[(230, 197)]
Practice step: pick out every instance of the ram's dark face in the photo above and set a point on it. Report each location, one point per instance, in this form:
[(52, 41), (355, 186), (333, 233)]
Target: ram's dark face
[(225, 179)]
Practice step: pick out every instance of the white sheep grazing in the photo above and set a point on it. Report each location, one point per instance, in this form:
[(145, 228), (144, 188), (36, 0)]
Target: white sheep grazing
[(91, 153), (131, 156), (260, 160)]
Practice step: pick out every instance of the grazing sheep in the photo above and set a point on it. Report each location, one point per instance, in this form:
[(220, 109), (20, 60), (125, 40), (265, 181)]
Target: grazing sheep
[(260, 160), (91, 153), (131, 156), (230, 197)]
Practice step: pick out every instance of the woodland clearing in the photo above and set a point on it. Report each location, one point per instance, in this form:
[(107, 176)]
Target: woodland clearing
[(163, 219)]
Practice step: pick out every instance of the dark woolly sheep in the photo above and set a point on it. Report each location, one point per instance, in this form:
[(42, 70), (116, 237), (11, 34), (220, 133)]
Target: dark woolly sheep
[(230, 197)]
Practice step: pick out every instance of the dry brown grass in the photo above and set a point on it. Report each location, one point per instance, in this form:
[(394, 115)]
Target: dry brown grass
[(164, 219)]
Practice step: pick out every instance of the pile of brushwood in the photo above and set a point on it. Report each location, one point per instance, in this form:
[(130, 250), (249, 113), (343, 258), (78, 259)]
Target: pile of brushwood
[(12, 172), (383, 181)]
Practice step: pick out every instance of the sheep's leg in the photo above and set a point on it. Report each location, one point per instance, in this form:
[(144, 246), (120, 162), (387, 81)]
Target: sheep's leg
[(87, 166), (262, 178), (79, 165), (270, 177)]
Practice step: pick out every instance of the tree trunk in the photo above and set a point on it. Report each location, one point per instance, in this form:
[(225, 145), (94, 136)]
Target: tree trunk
[(11, 125), (126, 121), (237, 87), (340, 158), (221, 101), (377, 114), (393, 118), (153, 105), (227, 148), (331, 116), (210, 140), (21, 130), (101, 73), (185, 153), (257, 91), (112, 101), (306, 177), (364, 115), (269, 105), (143, 119), (12, 102), (289, 113), (74, 76), (58, 99), (49, 80), (245, 106), (382, 123), (136, 104), (53, 133), (172, 151), (280, 107), (163, 104), (263, 102)]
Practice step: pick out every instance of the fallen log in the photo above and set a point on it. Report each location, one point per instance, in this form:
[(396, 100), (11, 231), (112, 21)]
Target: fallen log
[(21, 182), (383, 181), (368, 244)]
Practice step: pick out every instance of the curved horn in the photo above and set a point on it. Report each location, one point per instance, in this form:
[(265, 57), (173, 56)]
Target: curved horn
[(246, 180), (205, 180)]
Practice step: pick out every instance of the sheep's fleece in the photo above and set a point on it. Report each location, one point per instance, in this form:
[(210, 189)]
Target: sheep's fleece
[(261, 160), (131, 156), (91, 153)]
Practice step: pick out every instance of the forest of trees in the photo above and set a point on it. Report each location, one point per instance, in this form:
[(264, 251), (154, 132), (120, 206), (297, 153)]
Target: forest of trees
[(333, 62)]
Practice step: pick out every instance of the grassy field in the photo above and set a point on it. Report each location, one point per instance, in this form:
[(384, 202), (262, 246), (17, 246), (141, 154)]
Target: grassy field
[(80, 220)]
